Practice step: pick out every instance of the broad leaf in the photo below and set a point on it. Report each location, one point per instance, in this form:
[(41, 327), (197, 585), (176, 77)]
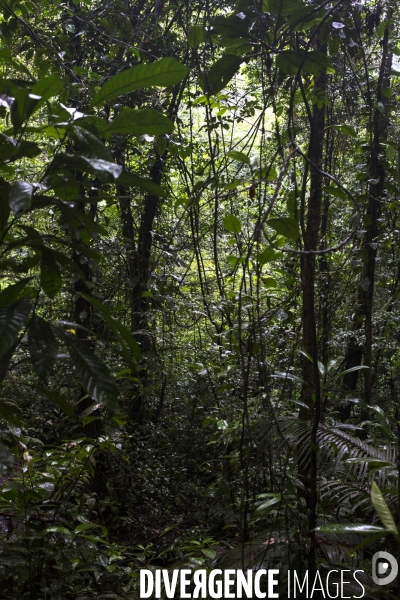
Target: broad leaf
[(268, 255), (140, 121), (357, 368), (95, 376), (220, 74), (232, 224), (383, 510), (116, 326), (131, 180), (310, 62), (286, 226), (196, 36), (57, 399), (162, 73), (47, 88), (103, 168), (346, 130), (12, 318), (5, 360), (90, 146), (264, 506), (20, 197), (352, 528), (6, 460), (4, 204), (50, 274), (282, 7), (13, 292), (42, 346), (239, 156)]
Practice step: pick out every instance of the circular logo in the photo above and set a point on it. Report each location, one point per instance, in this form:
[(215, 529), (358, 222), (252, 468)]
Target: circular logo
[(384, 568)]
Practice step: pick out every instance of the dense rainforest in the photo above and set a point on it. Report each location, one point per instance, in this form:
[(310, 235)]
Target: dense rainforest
[(200, 291)]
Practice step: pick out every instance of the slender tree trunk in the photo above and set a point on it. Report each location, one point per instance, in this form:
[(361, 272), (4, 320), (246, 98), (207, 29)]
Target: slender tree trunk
[(356, 350), (311, 393)]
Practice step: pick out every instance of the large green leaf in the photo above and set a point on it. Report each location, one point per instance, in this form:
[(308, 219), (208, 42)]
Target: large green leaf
[(196, 36), (116, 327), (232, 224), (139, 122), (352, 528), (310, 62), (131, 180), (286, 226), (220, 74), (57, 399), (269, 254), (95, 376), (162, 73), (239, 156), (103, 168), (90, 146), (50, 274), (42, 346), (6, 460), (13, 292), (383, 510), (12, 318), (20, 197), (46, 88), (282, 7)]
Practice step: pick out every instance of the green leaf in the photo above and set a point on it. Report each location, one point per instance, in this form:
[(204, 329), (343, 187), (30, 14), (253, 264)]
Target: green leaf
[(42, 346), (47, 88), (50, 274), (57, 399), (346, 130), (239, 156), (20, 197), (382, 509), (264, 506), (5, 360), (95, 376), (232, 224), (131, 180), (4, 204), (140, 121), (163, 73), (10, 413), (6, 460), (57, 529), (196, 36), (286, 226), (335, 191), (374, 463), (282, 7), (85, 527), (12, 318), (352, 528), (209, 552), (220, 74), (268, 255), (103, 167), (310, 62), (90, 146), (116, 326), (269, 282), (13, 292), (358, 368)]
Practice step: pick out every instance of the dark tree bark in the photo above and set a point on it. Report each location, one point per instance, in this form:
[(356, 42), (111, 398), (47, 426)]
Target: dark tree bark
[(357, 350), (311, 392)]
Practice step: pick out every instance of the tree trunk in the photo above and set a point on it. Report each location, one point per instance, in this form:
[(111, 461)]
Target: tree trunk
[(356, 350), (311, 393)]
